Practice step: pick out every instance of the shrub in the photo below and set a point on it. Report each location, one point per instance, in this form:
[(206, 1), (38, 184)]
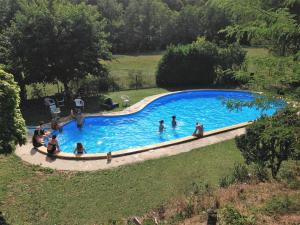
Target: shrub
[(240, 173), (260, 173), (12, 124), (197, 63), (281, 205), (198, 188), (191, 64), (225, 181), (271, 147), (289, 176), (231, 216)]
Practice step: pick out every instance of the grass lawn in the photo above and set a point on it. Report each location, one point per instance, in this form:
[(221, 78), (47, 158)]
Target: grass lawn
[(32, 195), (122, 65)]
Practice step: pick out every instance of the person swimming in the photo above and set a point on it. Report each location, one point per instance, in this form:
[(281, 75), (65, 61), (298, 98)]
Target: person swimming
[(174, 122), (161, 127)]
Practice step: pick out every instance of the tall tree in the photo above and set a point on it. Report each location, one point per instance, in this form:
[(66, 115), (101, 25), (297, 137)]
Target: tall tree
[(55, 40)]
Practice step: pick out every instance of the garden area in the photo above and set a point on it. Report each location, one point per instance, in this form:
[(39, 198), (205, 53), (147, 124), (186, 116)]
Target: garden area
[(68, 63)]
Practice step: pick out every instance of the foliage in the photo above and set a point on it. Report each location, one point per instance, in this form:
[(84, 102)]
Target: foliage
[(56, 40), (188, 64), (260, 173), (281, 205), (225, 181), (290, 177), (231, 216), (12, 124), (240, 173), (276, 26), (271, 140), (196, 63), (274, 75)]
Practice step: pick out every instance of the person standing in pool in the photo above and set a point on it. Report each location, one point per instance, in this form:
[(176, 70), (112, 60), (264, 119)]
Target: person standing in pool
[(79, 149), (161, 127), (79, 120), (174, 122)]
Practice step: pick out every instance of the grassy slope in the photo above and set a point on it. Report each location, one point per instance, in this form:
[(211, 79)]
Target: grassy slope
[(39, 196)]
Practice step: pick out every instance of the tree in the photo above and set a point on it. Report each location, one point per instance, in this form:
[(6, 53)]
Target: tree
[(55, 40), (113, 12), (148, 24), (277, 27), (271, 140), (191, 64), (12, 124)]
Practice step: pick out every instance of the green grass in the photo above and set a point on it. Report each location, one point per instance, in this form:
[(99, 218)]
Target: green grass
[(122, 65), (30, 195)]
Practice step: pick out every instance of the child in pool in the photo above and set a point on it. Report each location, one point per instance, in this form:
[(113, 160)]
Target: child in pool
[(79, 149)]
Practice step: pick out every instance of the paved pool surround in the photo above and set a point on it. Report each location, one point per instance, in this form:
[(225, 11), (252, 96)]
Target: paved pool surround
[(132, 109)]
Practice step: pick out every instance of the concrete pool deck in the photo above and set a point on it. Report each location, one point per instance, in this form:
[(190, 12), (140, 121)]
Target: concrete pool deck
[(32, 156)]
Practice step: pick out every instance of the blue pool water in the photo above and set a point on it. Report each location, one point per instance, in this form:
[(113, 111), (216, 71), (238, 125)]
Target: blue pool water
[(103, 134)]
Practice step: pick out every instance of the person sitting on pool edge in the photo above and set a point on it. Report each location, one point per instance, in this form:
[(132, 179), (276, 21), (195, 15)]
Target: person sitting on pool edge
[(41, 131), (174, 122), (53, 147), (161, 127), (37, 140), (198, 130), (79, 149)]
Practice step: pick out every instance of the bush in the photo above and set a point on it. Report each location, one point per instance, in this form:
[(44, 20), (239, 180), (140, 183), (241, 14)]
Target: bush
[(198, 188), (225, 181), (191, 64), (281, 205), (260, 173), (12, 124), (240, 173), (289, 176), (231, 216), (197, 63)]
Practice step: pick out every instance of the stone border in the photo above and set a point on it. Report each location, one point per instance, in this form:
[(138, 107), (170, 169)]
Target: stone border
[(133, 109)]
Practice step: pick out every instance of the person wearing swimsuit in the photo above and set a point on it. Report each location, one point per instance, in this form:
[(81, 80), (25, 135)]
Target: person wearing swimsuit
[(79, 149), (52, 147)]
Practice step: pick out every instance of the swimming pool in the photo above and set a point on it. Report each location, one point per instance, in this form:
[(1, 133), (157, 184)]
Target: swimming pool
[(101, 134)]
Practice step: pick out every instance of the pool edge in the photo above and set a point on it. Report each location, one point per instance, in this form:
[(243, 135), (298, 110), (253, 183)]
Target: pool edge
[(71, 156)]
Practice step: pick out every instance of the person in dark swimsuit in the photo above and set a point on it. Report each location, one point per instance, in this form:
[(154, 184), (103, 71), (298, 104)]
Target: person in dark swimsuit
[(79, 149), (161, 127), (41, 131), (53, 147), (37, 141), (174, 122)]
